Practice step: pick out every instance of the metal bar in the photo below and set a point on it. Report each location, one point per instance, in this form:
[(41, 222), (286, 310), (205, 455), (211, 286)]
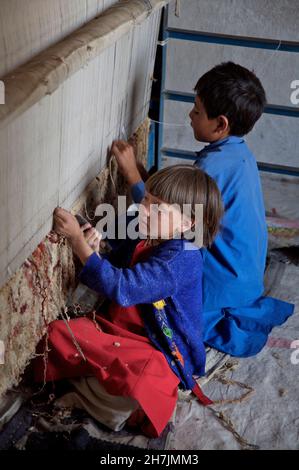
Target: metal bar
[(282, 110), (163, 80), (230, 40), (262, 166), (151, 146), (173, 95), (277, 110), (183, 154), (280, 169)]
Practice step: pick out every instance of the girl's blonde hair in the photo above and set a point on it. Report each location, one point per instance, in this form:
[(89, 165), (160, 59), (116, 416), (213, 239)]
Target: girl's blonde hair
[(187, 184)]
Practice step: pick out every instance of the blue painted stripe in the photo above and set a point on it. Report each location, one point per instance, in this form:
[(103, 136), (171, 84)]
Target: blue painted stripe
[(282, 110), (151, 146), (179, 96), (262, 166), (278, 110), (240, 41), (280, 169), (163, 81), (183, 154)]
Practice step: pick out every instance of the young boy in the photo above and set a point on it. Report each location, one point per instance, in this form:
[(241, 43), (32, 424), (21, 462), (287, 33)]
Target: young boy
[(237, 317)]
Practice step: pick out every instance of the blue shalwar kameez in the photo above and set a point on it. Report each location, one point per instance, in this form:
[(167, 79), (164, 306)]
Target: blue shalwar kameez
[(237, 317)]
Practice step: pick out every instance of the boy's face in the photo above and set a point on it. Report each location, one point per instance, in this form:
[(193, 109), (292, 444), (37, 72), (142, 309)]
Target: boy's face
[(205, 129)]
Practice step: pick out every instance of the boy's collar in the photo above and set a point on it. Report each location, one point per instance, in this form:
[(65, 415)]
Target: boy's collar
[(231, 139)]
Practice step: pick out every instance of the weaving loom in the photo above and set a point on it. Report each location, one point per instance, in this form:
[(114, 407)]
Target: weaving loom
[(62, 111)]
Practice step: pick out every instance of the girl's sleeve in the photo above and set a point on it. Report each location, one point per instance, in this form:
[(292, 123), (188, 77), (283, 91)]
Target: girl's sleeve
[(145, 282), (138, 191)]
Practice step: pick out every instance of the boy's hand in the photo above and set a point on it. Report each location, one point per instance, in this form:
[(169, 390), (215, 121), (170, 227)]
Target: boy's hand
[(66, 224), (124, 154)]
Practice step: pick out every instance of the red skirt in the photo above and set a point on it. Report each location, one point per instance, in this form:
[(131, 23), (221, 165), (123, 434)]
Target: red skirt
[(118, 352)]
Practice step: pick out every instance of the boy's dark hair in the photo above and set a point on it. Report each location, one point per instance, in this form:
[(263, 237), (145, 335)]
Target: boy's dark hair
[(187, 184), (235, 92)]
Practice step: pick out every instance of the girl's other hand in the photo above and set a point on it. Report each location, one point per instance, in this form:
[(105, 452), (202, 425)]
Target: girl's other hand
[(92, 237)]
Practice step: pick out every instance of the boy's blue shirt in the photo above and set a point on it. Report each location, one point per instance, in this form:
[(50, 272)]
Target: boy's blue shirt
[(235, 264), (173, 272), (237, 318)]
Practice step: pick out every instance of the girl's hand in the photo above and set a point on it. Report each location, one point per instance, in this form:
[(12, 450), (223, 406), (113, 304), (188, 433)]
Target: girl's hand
[(66, 224)]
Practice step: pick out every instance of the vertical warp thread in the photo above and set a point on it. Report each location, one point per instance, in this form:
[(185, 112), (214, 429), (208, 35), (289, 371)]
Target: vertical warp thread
[(177, 8)]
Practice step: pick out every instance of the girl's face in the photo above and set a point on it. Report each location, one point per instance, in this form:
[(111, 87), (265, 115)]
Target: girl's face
[(159, 220)]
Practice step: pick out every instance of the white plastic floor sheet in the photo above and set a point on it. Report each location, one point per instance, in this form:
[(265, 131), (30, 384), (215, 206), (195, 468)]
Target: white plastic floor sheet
[(269, 418)]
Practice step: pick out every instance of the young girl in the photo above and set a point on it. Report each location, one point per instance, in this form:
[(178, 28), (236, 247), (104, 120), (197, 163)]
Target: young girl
[(149, 341)]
